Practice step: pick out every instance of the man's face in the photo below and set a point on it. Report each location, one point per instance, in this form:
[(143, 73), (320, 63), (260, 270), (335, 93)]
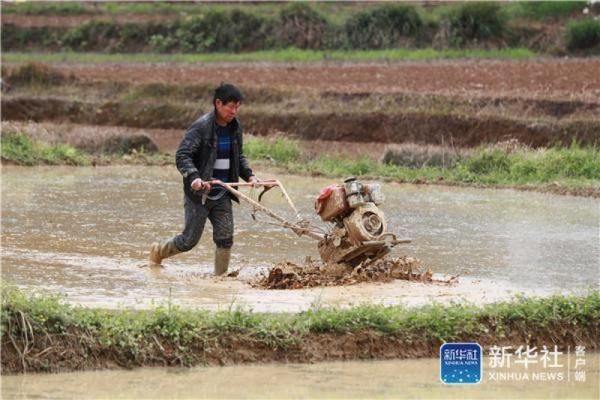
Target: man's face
[(227, 111)]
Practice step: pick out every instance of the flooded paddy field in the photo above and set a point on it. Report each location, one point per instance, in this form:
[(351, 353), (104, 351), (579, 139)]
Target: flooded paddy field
[(85, 233), (398, 379)]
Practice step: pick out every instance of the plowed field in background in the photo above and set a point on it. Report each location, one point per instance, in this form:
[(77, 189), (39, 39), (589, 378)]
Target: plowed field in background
[(554, 79), (540, 102)]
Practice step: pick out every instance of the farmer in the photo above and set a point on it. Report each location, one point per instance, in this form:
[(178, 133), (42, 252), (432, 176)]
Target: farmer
[(211, 149)]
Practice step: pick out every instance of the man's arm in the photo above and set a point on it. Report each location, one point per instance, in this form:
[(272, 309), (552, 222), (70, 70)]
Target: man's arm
[(184, 156)]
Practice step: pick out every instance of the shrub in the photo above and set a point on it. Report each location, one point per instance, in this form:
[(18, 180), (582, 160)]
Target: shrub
[(583, 34), (16, 38), (382, 27), (221, 31), (90, 36), (162, 43), (476, 21), (300, 26), (108, 36), (37, 74)]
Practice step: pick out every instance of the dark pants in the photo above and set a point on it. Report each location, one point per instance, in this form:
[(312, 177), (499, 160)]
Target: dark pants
[(220, 214)]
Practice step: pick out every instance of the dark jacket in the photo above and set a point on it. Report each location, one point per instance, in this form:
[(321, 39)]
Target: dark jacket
[(197, 152)]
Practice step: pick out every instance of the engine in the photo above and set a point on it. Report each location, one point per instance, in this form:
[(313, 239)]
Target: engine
[(358, 232)]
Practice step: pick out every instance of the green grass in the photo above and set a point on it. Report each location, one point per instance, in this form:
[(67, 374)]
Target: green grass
[(20, 149), (539, 10), (572, 166), (279, 150), (494, 166), (285, 55), (134, 333), (43, 8)]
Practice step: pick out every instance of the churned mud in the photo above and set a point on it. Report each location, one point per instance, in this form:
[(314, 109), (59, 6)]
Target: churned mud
[(289, 275)]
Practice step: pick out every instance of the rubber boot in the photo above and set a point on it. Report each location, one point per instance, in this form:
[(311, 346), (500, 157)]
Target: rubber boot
[(222, 257), (162, 250)]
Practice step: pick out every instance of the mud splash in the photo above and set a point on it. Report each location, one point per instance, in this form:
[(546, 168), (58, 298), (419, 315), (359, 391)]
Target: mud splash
[(288, 275)]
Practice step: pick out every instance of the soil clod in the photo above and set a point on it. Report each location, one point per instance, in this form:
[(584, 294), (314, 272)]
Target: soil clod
[(288, 275)]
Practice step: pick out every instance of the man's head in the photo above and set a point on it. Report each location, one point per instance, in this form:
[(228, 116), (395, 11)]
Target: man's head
[(227, 102)]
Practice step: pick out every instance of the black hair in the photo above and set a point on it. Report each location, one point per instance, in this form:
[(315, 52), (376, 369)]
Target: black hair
[(226, 92)]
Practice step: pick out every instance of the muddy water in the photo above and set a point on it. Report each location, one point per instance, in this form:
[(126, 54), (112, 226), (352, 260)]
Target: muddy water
[(84, 232), (386, 379)]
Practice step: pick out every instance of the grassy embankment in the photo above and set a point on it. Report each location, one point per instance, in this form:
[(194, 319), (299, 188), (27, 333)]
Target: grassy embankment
[(570, 168), (538, 10), (282, 55), (233, 28), (41, 333)]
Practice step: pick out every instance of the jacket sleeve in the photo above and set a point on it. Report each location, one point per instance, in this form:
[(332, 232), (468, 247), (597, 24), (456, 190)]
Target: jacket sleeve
[(187, 148), (245, 170)]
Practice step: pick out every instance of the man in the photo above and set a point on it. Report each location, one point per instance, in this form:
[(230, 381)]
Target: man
[(211, 149)]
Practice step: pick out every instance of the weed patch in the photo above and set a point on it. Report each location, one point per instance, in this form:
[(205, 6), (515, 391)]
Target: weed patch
[(279, 150), (20, 149)]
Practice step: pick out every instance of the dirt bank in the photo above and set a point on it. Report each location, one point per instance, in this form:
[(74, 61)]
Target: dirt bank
[(78, 350), (50, 338), (419, 127)]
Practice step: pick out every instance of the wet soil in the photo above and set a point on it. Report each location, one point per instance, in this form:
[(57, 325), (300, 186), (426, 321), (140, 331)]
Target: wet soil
[(288, 275)]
